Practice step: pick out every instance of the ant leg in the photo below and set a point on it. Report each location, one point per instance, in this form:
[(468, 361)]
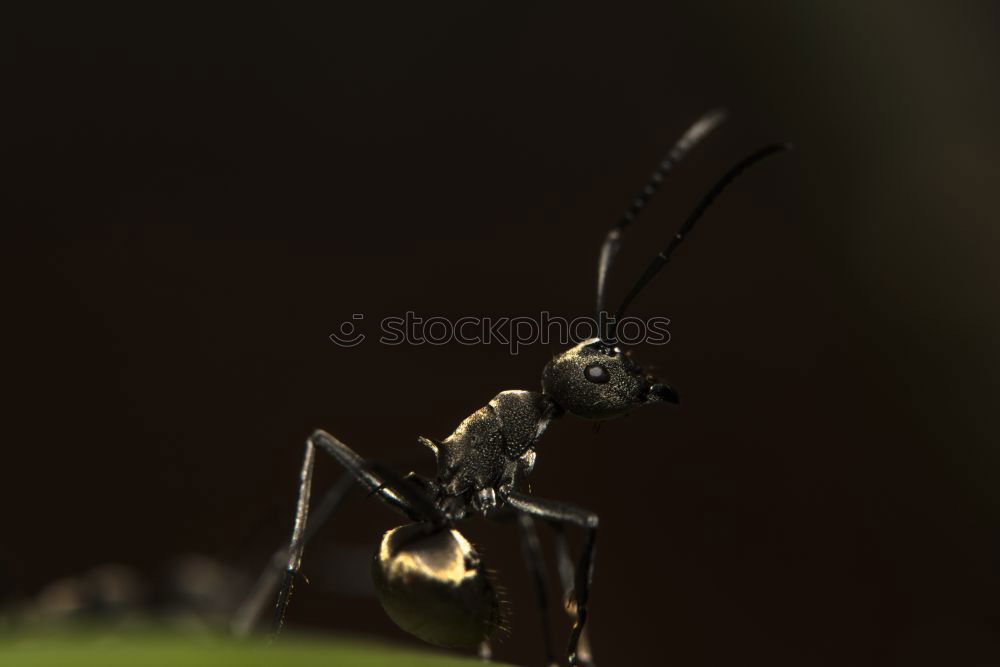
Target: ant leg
[(247, 615), (485, 651), (564, 513), (565, 568), (532, 551), (370, 475), (362, 472)]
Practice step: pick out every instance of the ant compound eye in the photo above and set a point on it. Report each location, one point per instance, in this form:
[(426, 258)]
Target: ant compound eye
[(596, 373)]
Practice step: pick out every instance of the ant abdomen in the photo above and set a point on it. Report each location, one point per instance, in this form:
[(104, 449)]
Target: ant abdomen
[(432, 584)]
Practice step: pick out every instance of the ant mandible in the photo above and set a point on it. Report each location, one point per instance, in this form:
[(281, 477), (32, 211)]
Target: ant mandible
[(429, 578)]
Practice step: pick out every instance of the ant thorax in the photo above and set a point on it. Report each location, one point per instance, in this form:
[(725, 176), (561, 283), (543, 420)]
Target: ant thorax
[(491, 450)]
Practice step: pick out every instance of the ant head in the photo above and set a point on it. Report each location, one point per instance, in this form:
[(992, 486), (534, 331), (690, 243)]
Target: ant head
[(596, 380)]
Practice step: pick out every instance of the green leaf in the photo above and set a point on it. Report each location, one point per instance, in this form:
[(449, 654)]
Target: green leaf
[(163, 649)]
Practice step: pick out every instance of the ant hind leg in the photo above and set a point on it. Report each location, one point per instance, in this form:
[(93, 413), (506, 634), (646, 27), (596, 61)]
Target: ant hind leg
[(248, 613), (380, 483)]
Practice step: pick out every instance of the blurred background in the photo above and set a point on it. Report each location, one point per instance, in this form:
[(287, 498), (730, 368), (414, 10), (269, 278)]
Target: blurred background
[(196, 199)]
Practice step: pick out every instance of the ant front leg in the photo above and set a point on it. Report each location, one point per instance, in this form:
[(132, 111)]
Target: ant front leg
[(564, 513), (564, 564), (362, 472), (534, 560)]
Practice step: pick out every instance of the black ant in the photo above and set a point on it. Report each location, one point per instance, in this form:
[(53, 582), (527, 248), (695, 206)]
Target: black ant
[(428, 577)]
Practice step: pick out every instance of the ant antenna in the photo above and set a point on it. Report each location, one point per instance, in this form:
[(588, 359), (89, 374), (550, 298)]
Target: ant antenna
[(663, 256), (612, 242)]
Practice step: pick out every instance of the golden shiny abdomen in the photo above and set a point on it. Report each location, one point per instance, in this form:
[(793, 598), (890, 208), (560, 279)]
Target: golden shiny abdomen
[(431, 583)]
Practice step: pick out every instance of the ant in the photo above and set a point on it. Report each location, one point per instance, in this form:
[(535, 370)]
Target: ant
[(429, 578)]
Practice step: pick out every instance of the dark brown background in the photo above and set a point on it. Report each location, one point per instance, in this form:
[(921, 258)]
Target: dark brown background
[(196, 199)]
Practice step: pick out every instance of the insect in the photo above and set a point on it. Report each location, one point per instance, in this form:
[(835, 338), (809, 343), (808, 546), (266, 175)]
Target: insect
[(429, 578)]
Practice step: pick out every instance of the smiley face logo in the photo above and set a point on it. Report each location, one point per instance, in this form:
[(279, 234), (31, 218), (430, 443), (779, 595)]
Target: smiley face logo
[(348, 335)]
